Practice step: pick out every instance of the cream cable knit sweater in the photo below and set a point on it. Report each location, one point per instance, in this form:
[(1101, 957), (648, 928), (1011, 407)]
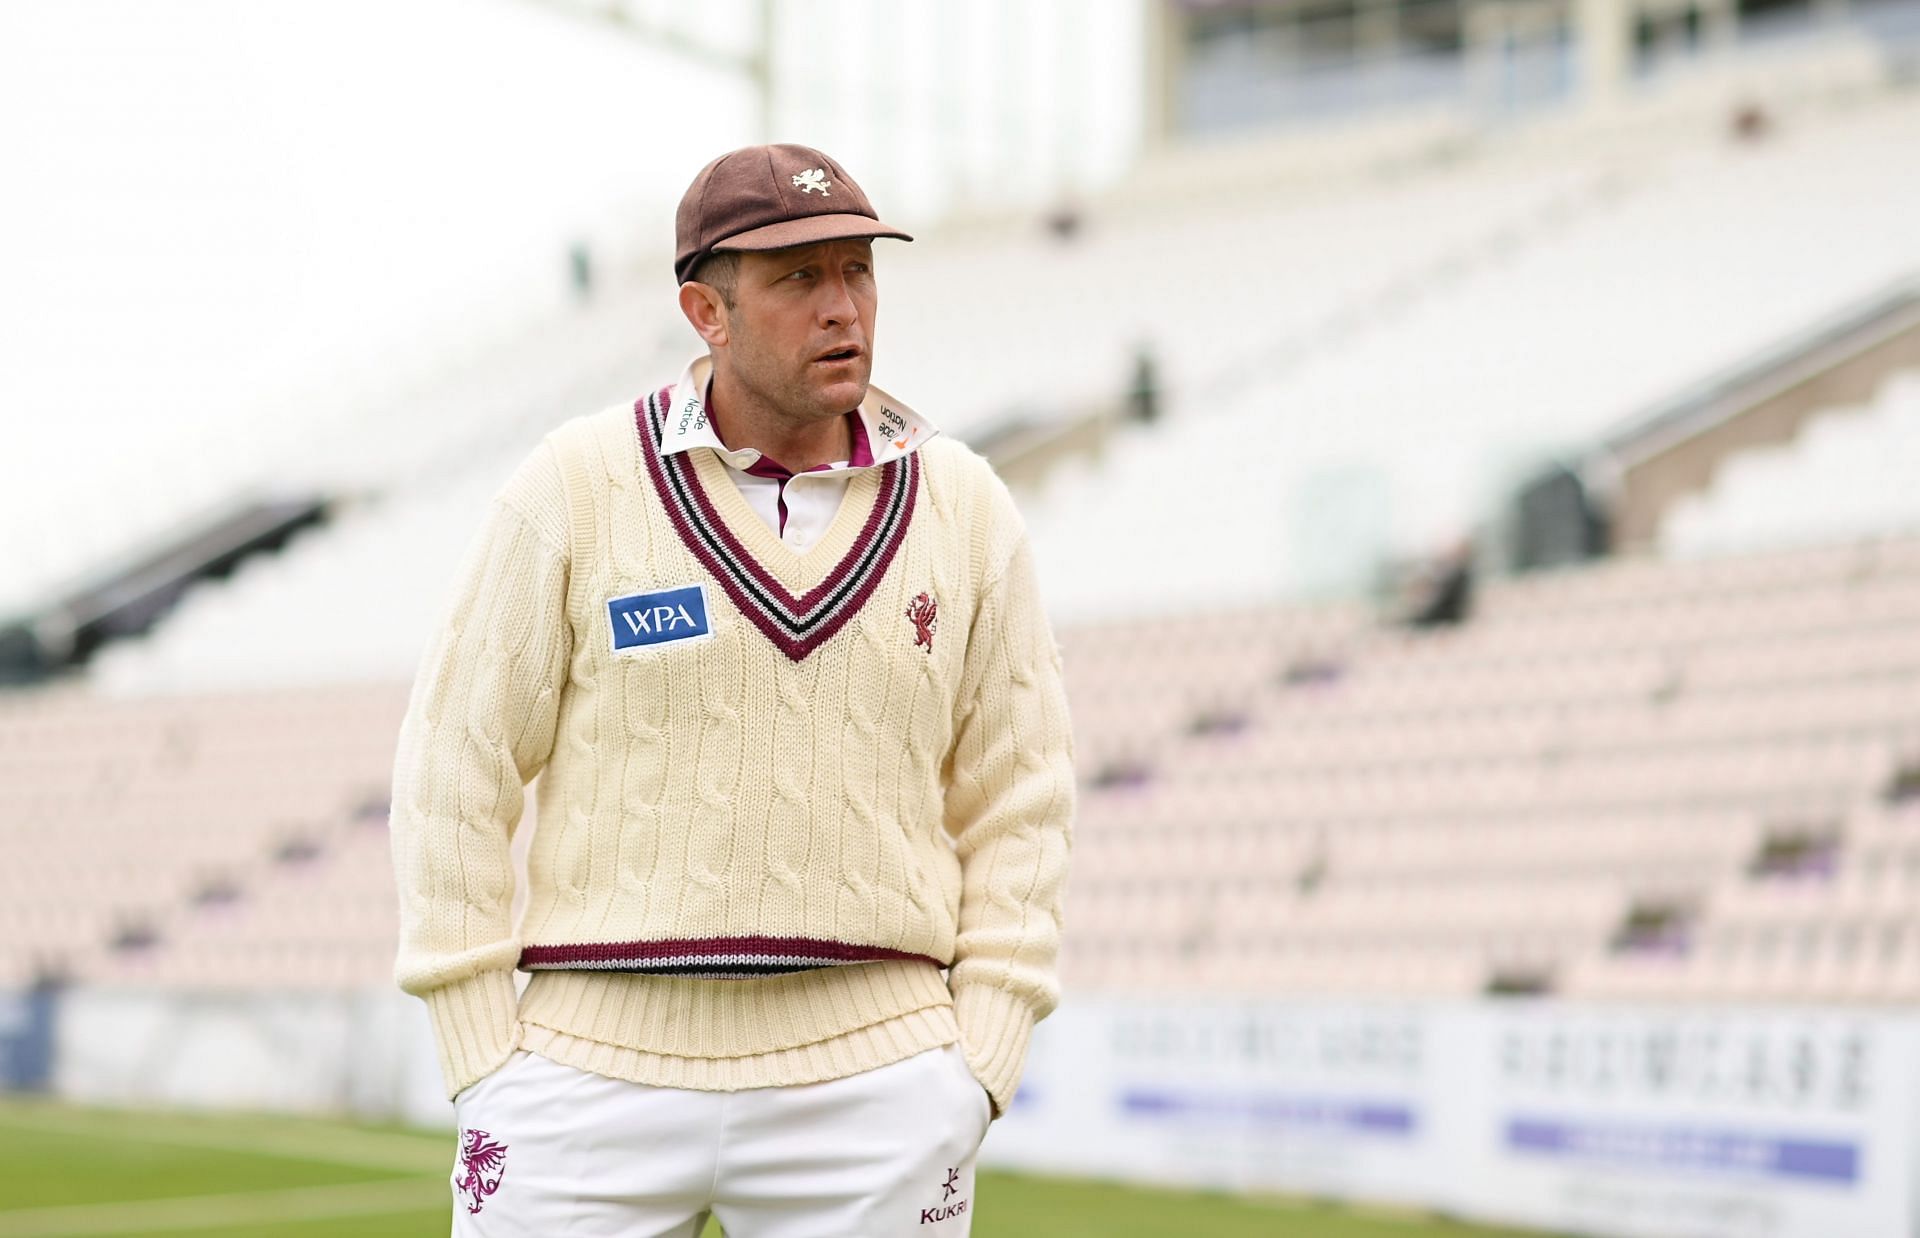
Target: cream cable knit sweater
[(764, 831)]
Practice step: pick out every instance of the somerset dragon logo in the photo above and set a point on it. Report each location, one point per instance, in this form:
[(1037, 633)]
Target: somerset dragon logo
[(923, 613), (484, 1163)]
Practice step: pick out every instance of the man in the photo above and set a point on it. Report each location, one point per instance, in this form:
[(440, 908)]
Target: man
[(775, 648)]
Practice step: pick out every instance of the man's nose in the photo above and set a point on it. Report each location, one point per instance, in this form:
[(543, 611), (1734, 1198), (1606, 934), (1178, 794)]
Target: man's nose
[(836, 307)]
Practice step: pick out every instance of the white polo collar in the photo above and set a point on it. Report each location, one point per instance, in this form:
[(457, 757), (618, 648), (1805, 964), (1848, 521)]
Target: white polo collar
[(893, 429)]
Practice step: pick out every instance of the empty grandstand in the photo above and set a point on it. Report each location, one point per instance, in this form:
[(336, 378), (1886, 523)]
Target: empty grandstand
[(1590, 788), (1470, 462)]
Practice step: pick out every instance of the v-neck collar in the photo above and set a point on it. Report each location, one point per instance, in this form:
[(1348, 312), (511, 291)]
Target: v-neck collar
[(736, 547), (797, 569)]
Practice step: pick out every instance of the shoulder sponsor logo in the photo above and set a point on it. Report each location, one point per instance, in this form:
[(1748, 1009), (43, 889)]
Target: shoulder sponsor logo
[(664, 616), (693, 414)]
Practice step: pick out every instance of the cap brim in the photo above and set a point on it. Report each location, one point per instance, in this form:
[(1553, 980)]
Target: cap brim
[(809, 231)]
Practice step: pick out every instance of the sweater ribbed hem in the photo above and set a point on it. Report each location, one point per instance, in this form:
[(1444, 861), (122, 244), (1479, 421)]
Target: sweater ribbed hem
[(862, 1049), (677, 1016), (994, 1029), (474, 1025)]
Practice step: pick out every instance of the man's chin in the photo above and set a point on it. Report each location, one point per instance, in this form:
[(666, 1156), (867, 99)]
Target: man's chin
[(840, 395)]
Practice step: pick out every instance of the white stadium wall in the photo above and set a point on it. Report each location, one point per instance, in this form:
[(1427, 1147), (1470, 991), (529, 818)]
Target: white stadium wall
[(368, 1054), (1731, 1122), (1628, 1122)]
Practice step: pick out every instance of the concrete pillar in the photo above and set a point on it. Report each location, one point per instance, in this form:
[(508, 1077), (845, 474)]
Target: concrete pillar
[(1719, 25), (1486, 34), (1166, 56), (1376, 40), (1604, 30)]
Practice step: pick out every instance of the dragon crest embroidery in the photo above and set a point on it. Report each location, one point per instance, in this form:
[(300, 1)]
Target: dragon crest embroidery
[(923, 610), (484, 1163)]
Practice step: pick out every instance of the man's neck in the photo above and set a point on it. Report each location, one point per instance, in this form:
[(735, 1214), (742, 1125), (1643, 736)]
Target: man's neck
[(741, 421)]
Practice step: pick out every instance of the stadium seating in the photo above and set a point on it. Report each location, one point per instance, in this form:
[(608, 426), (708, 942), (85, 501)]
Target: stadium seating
[(1573, 792), (1638, 779), (1648, 275), (1382, 304), (1692, 775), (147, 826)]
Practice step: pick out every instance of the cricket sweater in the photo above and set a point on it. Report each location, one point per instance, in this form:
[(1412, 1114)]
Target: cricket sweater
[(780, 791)]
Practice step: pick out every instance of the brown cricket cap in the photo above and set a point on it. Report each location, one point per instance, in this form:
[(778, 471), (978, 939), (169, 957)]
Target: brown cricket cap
[(770, 197)]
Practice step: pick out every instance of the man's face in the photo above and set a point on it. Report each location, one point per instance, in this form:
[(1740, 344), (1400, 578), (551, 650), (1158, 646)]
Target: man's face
[(800, 333)]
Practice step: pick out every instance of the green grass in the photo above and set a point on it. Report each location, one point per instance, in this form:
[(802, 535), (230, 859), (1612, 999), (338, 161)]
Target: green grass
[(70, 1171)]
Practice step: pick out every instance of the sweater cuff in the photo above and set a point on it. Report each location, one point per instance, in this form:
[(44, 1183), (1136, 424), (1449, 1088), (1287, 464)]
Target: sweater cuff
[(476, 1024), (994, 1029)]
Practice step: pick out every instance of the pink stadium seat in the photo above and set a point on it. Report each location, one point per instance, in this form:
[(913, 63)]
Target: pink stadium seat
[(1442, 810)]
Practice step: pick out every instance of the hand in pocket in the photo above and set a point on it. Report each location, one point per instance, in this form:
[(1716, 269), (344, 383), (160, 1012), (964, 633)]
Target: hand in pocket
[(467, 1093)]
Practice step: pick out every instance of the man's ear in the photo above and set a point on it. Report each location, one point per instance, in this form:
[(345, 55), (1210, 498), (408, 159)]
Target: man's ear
[(704, 309)]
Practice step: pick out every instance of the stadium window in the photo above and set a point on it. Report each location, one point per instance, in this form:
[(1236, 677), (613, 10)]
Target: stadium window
[(1224, 26), (1330, 32), (1772, 8), (1431, 26)]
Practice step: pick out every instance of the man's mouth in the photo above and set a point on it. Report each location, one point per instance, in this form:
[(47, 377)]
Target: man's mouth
[(839, 356)]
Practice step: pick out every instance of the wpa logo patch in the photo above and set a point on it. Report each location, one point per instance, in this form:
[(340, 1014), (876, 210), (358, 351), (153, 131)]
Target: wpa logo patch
[(659, 618)]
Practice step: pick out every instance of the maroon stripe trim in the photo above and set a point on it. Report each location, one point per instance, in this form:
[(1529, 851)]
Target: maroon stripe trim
[(684, 947), (742, 558), (863, 556)]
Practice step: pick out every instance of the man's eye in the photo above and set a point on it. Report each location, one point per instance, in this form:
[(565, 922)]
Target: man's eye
[(802, 272)]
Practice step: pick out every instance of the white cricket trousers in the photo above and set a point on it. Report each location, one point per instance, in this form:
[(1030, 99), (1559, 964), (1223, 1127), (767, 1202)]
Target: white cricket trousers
[(548, 1150)]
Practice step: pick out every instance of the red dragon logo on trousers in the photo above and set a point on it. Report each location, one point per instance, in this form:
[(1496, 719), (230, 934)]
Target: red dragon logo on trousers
[(922, 611), (484, 1163)]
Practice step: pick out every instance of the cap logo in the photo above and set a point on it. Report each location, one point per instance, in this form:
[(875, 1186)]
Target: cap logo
[(812, 179)]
